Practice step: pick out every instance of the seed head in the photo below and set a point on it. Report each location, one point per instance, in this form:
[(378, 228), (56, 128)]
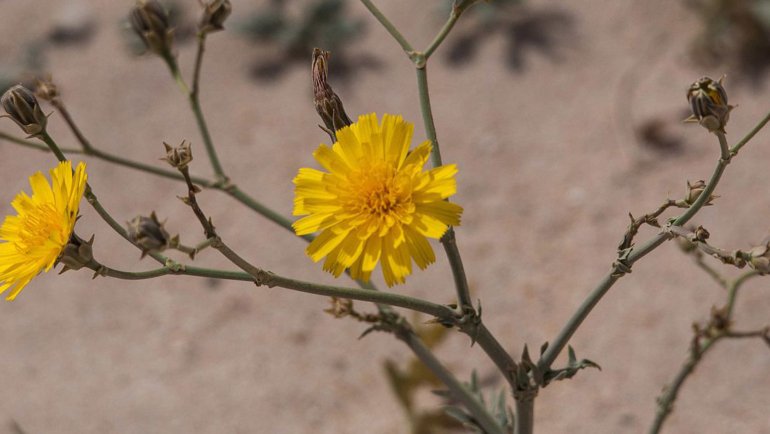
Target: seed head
[(179, 156)]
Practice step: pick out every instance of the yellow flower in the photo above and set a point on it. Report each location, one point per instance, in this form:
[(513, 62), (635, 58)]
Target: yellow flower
[(375, 204), (32, 240)]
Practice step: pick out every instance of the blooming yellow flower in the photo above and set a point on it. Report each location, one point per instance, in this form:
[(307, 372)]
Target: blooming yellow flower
[(32, 240), (375, 204)]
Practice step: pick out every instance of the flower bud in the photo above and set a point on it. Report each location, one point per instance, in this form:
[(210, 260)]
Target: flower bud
[(327, 103), (179, 156), (22, 107), (148, 233), (215, 12), (150, 21), (77, 254), (708, 101)]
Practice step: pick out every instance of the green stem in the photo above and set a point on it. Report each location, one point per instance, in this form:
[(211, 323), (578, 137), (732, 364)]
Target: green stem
[(266, 212), (732, 293), (666, 401), (558, 344), (59, 105), (525, 416), (262, 277), (449, 240), (193, 97), (427, 114), (34, 145), (457, 389), (492, 347), (389, 27), (442, 34), (734, 150)]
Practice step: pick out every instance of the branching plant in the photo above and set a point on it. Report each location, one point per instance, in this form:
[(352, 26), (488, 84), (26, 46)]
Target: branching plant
[(374, 203)]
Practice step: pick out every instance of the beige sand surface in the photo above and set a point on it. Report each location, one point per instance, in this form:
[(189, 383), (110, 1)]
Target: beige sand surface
[(549, 170)]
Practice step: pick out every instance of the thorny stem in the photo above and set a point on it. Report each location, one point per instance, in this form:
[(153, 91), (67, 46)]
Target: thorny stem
[(558, 344), (697, 351), (389, 27)]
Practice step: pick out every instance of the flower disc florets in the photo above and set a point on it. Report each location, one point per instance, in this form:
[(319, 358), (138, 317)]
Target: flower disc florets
[(375, 203)]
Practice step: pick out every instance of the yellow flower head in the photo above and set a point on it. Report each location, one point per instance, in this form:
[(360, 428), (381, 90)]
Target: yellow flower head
[(32, 240), (375, 203)]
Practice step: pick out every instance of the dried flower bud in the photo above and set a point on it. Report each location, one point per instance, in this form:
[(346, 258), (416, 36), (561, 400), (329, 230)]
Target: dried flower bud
[(46, 89), (148, 233), (708, 101), (694, 191), (759, 257), (22, 107), (150, 21), (179, 156), (215, 12), (327, 103), (77, 254)]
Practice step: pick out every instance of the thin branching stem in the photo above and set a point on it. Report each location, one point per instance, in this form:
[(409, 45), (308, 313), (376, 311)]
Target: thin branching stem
[(34, 145), (457, 389), (561, 340), (193, 97), (442, 34), (525, 416), (389, 27), (699, 347)]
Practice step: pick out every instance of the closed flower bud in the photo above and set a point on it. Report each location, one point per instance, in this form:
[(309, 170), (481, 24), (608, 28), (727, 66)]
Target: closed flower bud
[(327, 103), (22, 107), (77, 254), (708, 101), (179, 156), (215, 12), (148, 233), (150, 21)]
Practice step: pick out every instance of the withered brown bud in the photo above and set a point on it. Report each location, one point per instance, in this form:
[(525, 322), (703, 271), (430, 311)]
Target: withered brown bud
[(46, 89), (22, 107), (215, 12), (148, 233), (150, 21), (708, 101), (759, 257), (178, 156), (77, 254), (327, 103), (694, 191)]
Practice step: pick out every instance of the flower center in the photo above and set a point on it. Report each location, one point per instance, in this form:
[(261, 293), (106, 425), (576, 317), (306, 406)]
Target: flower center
[(377, 190), (41, 224)]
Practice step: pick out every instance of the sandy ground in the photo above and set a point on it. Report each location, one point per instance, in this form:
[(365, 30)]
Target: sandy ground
[(549, 170)]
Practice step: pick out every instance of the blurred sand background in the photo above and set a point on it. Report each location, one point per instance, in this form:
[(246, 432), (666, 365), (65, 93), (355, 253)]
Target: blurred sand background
[(549, 169)]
